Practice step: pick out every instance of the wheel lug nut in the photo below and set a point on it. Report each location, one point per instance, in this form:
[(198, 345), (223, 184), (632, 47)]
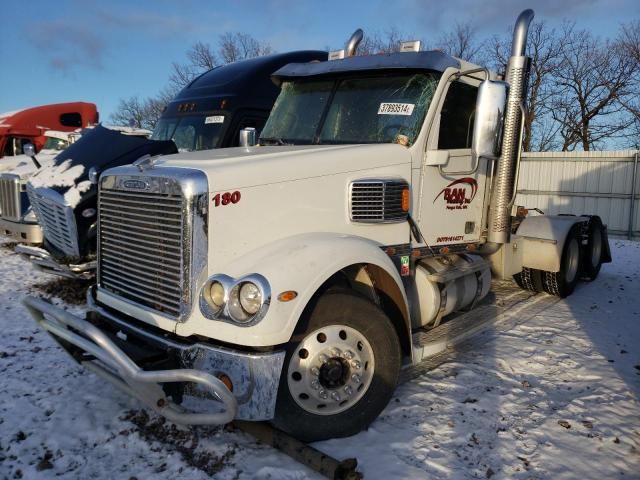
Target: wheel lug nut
[(315, 385), (348, 354), (355, 377), (323, 358), (323, 394), (315, 371), (335, 396), (336, 352), (348, 390), (356, 364)]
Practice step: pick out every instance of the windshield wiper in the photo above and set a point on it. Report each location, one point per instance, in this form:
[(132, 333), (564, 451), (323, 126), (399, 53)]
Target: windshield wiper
[(274, 141)]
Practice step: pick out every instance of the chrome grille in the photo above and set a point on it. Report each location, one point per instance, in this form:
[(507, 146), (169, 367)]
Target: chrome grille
[(10, 207), (377, 201), (141, 248), (56, 219)]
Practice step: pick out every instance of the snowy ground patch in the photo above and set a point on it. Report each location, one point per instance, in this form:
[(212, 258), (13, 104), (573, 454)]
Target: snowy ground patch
[(555, 397)]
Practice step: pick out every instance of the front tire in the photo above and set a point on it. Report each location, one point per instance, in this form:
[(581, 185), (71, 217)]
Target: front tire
[(340, 371)]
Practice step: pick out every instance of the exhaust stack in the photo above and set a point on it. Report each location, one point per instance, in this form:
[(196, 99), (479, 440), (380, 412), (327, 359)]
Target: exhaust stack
[(505, 179), (354, 41)]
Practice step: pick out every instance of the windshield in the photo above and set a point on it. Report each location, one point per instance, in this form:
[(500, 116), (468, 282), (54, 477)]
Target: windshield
[(55, 144), (193, 132), (376, 109)]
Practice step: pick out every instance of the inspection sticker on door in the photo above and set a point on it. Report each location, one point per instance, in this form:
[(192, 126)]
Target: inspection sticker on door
[(214, 119), (396, 108)]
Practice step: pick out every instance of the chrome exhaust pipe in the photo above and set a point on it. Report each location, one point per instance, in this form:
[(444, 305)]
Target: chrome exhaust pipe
[(504, 183), (354, 41)]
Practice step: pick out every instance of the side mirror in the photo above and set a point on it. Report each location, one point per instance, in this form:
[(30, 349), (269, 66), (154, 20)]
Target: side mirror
[(248, 137), (490, 109), (29, 150)]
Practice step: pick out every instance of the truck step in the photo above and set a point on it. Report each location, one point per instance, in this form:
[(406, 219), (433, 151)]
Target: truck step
[(504, 301)]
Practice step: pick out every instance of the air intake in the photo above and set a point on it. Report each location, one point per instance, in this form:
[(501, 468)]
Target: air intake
[(379, 201)]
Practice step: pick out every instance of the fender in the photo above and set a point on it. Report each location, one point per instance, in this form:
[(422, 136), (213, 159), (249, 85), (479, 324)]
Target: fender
[(542, 240), (301, 263)]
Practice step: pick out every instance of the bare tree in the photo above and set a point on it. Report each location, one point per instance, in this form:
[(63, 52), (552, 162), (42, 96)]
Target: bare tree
[(377, 42), (546, 49), (592, 85), (239, 46), (200, 58), (462, 42), (629, 41), (130, 112)]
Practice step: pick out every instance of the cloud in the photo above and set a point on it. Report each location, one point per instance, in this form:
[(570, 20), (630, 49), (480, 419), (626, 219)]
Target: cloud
[(156, 24), (66, 45)]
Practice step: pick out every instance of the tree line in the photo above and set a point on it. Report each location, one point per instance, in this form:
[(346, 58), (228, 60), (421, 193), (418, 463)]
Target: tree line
[(584, 90)]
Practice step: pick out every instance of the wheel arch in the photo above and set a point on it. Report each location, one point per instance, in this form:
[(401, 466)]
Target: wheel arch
[(309, 264), (380, 287)]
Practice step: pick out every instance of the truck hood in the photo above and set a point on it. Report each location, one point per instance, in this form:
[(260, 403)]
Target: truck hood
[(246, 167), (23, 166), (100, 148)]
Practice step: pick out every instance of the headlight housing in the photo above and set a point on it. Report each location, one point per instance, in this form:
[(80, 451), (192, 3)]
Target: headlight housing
[(242, 301), (30, 216)]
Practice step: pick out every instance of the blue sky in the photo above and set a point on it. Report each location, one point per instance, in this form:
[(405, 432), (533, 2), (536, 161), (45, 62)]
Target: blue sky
[(72, 50)]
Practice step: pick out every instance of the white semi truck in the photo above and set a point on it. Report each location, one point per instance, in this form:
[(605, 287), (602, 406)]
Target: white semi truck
[(291, 281)]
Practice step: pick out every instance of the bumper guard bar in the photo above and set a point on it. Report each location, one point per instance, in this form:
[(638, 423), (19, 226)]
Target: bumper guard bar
[(114, 365), (43, 260)]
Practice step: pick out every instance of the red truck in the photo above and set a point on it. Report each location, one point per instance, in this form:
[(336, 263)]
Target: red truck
[(29, 125)]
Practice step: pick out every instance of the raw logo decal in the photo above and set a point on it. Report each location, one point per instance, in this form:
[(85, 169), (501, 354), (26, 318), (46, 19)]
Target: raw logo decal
[(459, 193)]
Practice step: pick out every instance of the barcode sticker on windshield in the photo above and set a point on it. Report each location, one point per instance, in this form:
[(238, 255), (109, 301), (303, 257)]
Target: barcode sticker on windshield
[(214, 119), (396, 108)]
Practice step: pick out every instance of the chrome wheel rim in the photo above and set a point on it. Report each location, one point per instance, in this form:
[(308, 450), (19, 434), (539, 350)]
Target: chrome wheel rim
[(330, 370), (596, 248), (573, 261)]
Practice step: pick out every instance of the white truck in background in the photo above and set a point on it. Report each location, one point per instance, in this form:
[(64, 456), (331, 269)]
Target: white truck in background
[(293, 280), (17, 219)]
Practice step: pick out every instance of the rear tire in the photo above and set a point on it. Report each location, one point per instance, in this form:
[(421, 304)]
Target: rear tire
[(529, 279), (592, 252), (340, 370), (562, 283)]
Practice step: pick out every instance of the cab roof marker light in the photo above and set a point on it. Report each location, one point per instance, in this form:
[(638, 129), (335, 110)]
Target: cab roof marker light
[(410, 46)]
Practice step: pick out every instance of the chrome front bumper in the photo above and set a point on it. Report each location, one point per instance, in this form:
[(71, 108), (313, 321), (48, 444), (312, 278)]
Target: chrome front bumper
[(43, 260), (23, 232), (254, 376)]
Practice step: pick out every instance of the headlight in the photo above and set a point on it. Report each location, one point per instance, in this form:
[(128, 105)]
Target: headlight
[(250, 298), (243, 301), (216, 296), (236, 310)]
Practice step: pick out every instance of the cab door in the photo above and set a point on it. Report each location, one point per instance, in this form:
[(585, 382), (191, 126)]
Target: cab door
[(454, 183)]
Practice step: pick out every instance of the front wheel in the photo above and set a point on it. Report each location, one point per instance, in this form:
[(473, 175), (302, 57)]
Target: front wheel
[(340, 371)]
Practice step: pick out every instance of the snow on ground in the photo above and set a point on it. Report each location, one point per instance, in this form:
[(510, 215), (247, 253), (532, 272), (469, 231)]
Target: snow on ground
[(555, 397)]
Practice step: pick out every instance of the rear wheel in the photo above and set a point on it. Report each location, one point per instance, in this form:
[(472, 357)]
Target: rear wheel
[(529, 279), (340, 370), (592, 252), (563, 283)]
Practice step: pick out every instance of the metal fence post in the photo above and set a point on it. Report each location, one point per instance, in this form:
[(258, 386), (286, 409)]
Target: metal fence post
[(634, 177)]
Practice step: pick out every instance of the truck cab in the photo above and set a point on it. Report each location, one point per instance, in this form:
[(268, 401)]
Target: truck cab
[(17, 219), (29, 125), (292, 280)]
